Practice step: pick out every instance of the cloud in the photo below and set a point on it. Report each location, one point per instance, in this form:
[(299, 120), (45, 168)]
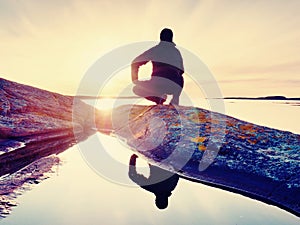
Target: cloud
[(244, 42)]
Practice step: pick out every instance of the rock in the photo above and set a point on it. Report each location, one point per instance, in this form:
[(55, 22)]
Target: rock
[(207, 147), (30, 116), (34, 125), (215, 149), (26, 110), (4, 105)]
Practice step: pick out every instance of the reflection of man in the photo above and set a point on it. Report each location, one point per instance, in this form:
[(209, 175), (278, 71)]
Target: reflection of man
[(160, 182), (166, 77)]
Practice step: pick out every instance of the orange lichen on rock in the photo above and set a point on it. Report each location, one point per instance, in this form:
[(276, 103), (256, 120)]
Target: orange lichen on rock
[(207, 126), (201, 147), (215, 121), (247, 127), (198, 139), (216, 129), (175, 125), (201, 116), (241, 137), (230, 123), (252, 142)]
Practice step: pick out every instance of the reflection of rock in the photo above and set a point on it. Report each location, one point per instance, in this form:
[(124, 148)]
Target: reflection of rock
[(256, 161), (35, 124), (29, 165), (15, 184)]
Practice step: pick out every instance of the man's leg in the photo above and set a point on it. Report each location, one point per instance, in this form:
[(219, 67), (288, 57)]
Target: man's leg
[(176, 94), (176, 90), (148, 90)]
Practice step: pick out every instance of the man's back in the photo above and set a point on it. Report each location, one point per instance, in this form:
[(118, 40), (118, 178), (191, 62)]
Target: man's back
[(165, 58)]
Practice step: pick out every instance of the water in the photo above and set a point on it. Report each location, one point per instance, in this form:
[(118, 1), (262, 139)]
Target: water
[(75, 194), (280, 114)]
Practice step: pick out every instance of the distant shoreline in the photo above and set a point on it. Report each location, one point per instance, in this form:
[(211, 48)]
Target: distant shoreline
[(106, 97), (225, 98), (265, 98)]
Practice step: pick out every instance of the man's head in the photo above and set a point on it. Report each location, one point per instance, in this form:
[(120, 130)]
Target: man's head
[(166, 35), (161, 200)]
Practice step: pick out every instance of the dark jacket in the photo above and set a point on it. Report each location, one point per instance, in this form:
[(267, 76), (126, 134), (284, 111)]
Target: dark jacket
[(160, 181), (166, 60)]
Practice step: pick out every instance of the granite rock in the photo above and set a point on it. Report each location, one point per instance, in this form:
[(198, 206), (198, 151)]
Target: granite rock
[(26, 110), (34, 126), (215, 149), (30, 115)]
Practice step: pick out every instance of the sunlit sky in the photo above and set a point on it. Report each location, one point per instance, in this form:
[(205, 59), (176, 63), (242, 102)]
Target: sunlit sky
[(251, 47)]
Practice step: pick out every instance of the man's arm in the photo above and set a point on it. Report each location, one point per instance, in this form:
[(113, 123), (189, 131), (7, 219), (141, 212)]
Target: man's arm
[(133, 175), (134, 72), (139, 61)]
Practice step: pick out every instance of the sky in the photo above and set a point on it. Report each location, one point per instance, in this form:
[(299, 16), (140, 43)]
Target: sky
[(250, 47)]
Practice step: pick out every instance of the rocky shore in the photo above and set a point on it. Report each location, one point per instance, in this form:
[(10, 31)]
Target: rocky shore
[(30, 115), (215, 149), (35, 125)]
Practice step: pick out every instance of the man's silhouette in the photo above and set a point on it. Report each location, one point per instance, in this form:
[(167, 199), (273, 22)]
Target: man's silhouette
[(160, 182), (167, 70)]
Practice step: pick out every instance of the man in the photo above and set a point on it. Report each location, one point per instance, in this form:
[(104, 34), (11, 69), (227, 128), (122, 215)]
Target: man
[(160, 182), (166, 77)]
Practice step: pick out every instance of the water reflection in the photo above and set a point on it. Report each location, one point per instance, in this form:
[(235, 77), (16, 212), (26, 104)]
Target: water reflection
[(26, 166), (79, 196), (160, 182)]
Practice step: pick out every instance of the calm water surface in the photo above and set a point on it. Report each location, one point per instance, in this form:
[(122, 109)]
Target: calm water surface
[(75, 194)]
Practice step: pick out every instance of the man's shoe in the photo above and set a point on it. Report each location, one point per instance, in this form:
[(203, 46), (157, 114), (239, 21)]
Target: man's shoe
[(162, 99), (157, 100)]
